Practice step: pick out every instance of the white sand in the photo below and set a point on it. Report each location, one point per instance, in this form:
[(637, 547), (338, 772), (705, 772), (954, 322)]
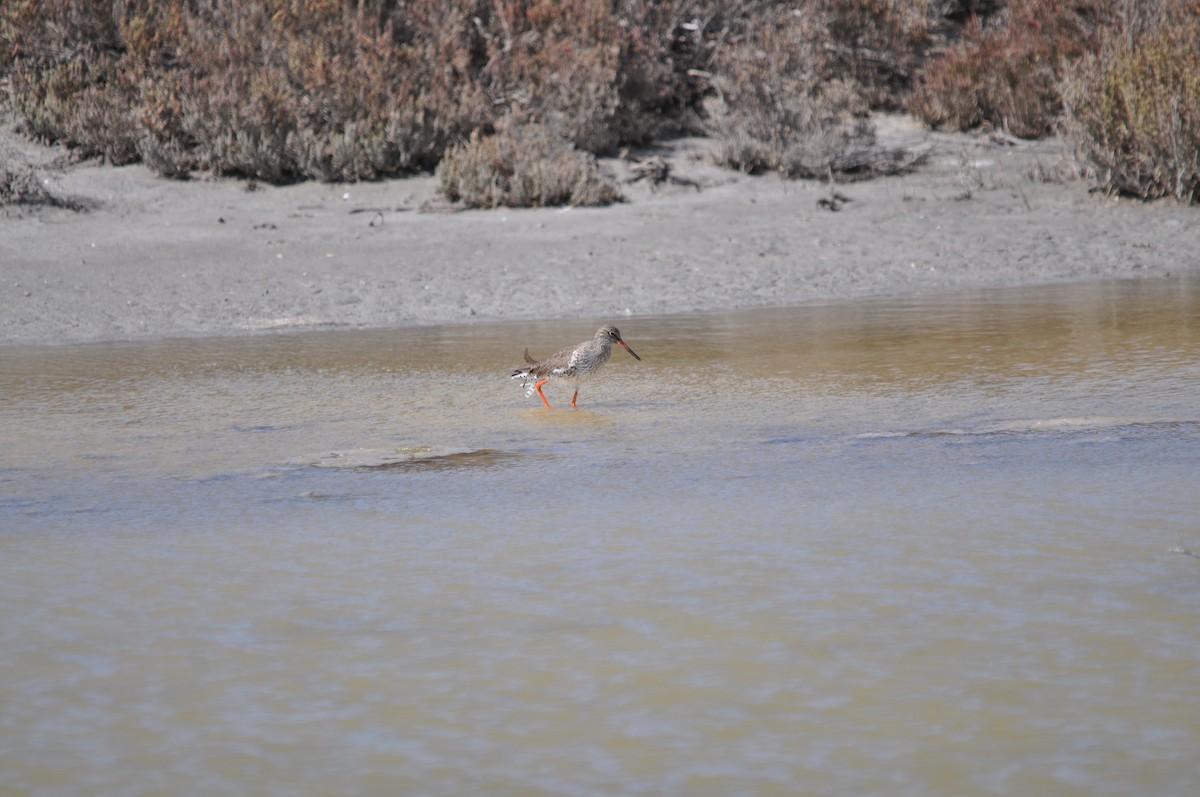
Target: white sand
[(158, 258)]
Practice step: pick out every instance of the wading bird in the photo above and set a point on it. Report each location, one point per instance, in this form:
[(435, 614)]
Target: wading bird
[(571, 365)]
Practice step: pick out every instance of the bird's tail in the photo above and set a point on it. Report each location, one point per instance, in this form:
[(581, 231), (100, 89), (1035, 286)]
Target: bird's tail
[(527, 380)]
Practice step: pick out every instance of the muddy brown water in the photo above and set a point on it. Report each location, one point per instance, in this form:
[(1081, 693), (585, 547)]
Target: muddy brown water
[(901, 547)]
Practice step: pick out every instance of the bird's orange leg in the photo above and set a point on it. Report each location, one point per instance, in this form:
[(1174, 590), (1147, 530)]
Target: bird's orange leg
[(573, 399), (543, 395)]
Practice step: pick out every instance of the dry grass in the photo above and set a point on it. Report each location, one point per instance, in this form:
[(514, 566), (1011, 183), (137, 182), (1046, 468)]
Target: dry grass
[(1134, 105)]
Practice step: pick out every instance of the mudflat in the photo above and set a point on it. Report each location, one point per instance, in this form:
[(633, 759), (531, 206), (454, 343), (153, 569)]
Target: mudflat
[(149, 257)]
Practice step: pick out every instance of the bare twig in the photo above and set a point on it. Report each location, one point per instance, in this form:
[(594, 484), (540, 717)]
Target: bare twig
[(656, 170)]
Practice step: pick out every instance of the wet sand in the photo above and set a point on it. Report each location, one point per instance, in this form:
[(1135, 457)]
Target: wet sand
[(155, 258)]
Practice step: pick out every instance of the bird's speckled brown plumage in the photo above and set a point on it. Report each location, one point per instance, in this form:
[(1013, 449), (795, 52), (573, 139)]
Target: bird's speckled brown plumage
[(573, 365)]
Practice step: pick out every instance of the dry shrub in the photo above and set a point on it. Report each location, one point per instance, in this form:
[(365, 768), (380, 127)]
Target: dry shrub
[(276, 91), (576, 66), (523, 165), (359, 89), (333, 89), (796, 129), (19, 185), (308, 90), (1133, 107), (1008, 73), (775, 113), (64, 79), (878, 44)]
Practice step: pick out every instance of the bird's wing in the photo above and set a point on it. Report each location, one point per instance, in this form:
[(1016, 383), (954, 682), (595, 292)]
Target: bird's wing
[(557, 364)]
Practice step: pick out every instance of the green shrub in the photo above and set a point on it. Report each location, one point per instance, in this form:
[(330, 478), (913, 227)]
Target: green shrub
[(1133, 107), (523, 165)]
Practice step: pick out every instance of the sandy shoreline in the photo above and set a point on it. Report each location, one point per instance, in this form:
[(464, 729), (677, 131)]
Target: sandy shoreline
[(156, 258)]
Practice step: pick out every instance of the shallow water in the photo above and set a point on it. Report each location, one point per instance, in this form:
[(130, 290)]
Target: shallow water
[(911, 547)]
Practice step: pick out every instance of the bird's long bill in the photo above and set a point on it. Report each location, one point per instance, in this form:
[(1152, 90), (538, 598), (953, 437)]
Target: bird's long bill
[(625, 346)]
